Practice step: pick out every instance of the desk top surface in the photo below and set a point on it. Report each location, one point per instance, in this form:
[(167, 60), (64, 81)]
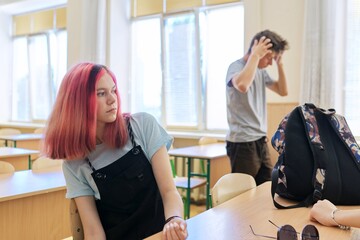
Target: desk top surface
[(208, 151), (30, 182), (14, 152), (232, 219), (22, 137)]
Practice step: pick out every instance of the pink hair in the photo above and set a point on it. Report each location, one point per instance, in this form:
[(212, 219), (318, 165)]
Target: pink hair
[(71, 128)]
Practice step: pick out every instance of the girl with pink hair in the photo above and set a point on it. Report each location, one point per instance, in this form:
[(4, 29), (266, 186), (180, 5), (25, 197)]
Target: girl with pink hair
[(116, 165)]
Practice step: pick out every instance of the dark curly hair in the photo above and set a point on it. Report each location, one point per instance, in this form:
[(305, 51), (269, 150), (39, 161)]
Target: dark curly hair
[(278, 43)]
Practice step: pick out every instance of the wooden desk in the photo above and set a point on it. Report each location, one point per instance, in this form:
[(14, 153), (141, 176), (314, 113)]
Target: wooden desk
[(26, 140), (217, 161), (231, 219), (33, 205), (20, 158)]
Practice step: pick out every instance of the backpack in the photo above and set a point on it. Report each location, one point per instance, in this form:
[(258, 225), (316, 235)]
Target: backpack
[(318, 159)]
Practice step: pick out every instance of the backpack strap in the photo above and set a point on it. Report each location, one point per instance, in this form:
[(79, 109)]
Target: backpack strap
[(342, 129), (317, 147)]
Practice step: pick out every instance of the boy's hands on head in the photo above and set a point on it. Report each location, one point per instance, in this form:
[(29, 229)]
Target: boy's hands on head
[(278, 58), (261, 47)]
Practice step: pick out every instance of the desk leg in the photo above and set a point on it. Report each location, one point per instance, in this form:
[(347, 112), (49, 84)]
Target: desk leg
[(29, 161), (208, 184), (188, 190)]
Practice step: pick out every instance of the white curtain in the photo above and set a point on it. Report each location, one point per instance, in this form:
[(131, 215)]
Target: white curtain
[(323, 62), (87, 32)]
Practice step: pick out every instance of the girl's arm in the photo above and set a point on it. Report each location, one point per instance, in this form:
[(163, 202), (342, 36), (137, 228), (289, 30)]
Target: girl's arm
[(90, 218), (327, 214), (173, 205)]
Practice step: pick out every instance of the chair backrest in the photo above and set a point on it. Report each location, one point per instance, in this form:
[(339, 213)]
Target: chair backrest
[(207, 140), (75, 221), (39, 130), (9, 131), (231, 185), (44, 162), (6, 167)]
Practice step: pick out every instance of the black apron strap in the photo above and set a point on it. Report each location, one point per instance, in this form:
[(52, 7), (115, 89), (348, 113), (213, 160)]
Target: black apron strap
[(131, 133), (91, 166)]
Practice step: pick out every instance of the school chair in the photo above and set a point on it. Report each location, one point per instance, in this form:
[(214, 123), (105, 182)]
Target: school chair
[(6, 167), (207, 140), (44, 162), (182, 183), (230, 185), (39, 130)]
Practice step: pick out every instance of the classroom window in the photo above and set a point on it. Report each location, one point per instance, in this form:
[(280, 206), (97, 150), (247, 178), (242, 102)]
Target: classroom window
[(39, 64), (20, 96), (181, 81), (146, 77), (223, 46), (179, 65)]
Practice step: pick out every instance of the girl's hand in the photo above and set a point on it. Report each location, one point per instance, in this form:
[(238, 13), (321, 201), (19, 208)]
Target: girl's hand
[(175, 230), (321, 212)]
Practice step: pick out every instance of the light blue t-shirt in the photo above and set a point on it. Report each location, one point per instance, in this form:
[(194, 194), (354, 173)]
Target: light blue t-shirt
[(147, 133), (246, 112)]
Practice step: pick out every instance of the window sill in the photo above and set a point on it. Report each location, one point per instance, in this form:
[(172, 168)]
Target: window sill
[(175, 134)]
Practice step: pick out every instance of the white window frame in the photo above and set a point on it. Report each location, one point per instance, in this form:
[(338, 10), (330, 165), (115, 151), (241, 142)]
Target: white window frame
[(33, 91), (201, 81)]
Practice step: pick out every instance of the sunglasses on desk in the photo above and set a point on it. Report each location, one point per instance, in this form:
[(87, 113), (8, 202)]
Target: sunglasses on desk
[(288, 232)]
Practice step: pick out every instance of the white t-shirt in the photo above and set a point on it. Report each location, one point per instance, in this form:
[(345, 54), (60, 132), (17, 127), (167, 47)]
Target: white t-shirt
[(147, 133)]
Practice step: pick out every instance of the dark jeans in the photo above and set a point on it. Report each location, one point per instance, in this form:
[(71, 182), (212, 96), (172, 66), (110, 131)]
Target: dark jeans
[(252, 158)]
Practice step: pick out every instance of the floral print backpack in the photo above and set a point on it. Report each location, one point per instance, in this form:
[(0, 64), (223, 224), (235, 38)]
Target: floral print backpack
[(318, 158)]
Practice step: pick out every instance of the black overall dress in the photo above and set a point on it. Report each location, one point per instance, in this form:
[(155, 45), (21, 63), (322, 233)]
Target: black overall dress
[(131, 206)]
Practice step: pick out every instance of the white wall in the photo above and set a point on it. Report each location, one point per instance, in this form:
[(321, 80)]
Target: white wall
[(287, 19)]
